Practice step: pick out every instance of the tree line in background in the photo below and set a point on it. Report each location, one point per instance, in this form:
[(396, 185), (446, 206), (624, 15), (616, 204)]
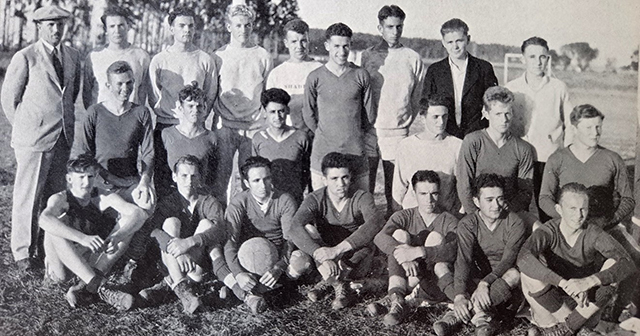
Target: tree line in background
[(150, 32)]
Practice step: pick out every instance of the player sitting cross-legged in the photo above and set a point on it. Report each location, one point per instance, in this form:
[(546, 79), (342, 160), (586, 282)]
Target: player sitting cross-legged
[(83, 236), (421, 243), (567, 261), (189, 228)]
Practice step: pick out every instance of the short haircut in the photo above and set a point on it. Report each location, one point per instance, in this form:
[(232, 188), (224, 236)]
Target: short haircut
[(253, 162), (189, 160), (454, 25), (240, 10), (296, 25), (584, 111), (486, 181), (335, 160), (391, 11), (572, 187), (181, 11), (425, 176), (115, 11), (496, 94), (81, 164), (191, 92), (437, 99), (118, 67), (275, 95), (534, 41), (338, 29)]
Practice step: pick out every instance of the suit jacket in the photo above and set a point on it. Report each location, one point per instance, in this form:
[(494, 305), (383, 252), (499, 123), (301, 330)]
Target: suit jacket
[(37, 106), (478, 78)]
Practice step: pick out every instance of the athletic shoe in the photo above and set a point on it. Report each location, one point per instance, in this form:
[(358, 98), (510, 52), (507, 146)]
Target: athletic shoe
[(256, 303), (446, 324), (397, 312), (116, 298), (588, 332), (318, 292), (484, 324), (379, 307), (155, 294), (559, 329), (190, 302), (344, 295)]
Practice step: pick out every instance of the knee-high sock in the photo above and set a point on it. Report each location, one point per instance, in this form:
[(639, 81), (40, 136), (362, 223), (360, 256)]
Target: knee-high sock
[(445, 283), (499, 292), (549, 298), (222, 272)]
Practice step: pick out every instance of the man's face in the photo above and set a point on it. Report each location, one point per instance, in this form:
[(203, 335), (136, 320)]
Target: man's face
[(298, 45), (51, 31), (183, 28), (588, 131), (187, 178), (490, 201), (427, 195), (116, 29), (259, 182), (276, 114), (240, 27), (120, 85), (337, 181), (81, 184), (536, 58), (573, 209), (193, 111), (499, 116), (456, 44), (338, 48), (391, 30), (435, 120)]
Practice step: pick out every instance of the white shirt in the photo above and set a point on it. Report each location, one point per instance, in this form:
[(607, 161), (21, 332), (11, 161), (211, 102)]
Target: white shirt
[(458, 74)]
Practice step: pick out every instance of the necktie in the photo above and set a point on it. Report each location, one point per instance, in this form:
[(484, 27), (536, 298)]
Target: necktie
[(57, 65)]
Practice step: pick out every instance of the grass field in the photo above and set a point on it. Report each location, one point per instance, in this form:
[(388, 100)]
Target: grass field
[(27, 307)]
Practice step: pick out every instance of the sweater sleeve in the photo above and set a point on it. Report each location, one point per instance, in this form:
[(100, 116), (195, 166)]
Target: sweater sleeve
[(529, 258), (310, 104), (384, 239), (367, 101), (565, 112), (611, 249), (400, 184), (373, 222), (85, 140), (623, 188), (154, 82), (418, 88), (305, 215), (288, 210), (524, 193), (466, 242), (445, 252), (235, 214), (517, 236), (146, 147), (215, 236), (466, 173), (89, 84), (549, 186), (210, 86)]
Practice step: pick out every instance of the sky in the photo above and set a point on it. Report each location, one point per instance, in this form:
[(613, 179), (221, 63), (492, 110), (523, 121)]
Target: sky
[(611, 26)]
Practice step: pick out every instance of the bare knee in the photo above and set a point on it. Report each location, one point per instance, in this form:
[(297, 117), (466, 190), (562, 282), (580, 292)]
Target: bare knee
[(299, 264), (511, 277), (441, 269), (607, 264), (54, 267), (172, 226), (204, 225), (433, 239), (313, 232), (401, 236)]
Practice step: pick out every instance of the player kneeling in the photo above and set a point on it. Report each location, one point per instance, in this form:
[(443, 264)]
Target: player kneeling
[(489, 240), (569, 260), (258, 251), (82, 234), (188, 226), (421, 244), (336, 225)]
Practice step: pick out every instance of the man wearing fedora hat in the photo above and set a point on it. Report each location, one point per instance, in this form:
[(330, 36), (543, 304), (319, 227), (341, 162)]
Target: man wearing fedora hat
[(38, 99)]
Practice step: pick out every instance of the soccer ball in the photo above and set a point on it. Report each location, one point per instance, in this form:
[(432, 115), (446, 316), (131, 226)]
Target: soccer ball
[(258, 255)]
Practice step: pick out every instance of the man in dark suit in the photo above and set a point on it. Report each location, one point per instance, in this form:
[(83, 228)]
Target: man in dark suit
[(38, 99), (461, 77)]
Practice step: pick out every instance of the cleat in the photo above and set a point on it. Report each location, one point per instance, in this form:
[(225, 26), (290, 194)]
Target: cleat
[(447, 324), (343, 296), (318, 292), (115, 298), (190, 302), (256, 303)]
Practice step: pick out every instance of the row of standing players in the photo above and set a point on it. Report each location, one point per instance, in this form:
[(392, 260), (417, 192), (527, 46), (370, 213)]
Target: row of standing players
[(393, 84)]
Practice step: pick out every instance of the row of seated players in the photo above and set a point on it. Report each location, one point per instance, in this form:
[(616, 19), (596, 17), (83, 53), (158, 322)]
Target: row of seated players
[(568, 268)]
